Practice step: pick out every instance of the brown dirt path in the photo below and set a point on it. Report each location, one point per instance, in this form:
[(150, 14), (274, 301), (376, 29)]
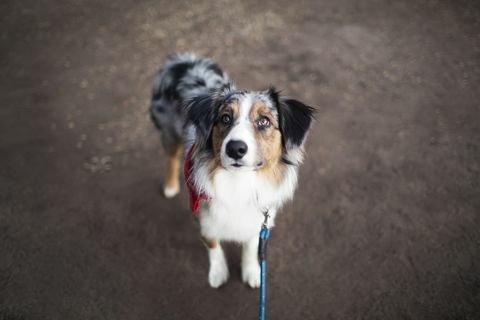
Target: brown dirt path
[(385, 224)]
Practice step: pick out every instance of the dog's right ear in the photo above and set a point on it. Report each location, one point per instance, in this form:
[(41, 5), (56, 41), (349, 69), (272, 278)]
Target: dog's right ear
[(201, 112)]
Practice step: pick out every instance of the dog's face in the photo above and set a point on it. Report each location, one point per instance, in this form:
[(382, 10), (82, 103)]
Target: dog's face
[(249, 130), (246, 133)]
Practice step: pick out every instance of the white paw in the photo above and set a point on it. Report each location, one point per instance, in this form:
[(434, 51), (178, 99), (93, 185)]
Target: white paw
[(251, 274), (171, 192), (218, 274)]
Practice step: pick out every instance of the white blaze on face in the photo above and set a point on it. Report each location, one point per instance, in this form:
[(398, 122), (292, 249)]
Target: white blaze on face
[(242, 130)]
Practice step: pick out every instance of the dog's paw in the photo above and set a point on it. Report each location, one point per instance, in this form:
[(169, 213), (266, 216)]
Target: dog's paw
[(171, 191), (251, 274), (218, 274)]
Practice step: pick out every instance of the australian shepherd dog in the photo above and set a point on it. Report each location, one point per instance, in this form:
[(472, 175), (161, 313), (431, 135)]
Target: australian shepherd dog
[(243, 150)]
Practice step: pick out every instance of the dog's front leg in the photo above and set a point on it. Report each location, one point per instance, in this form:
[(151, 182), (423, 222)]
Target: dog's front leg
[(218, 273), (250, 265), (172, 183)]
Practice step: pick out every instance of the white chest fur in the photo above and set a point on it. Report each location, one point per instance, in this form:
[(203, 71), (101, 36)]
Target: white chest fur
[(234, 212)]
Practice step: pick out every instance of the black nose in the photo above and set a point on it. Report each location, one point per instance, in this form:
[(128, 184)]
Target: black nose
[(236, 149)]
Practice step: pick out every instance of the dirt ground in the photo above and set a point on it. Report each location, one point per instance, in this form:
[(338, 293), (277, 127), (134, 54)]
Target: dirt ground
[(385, 223)]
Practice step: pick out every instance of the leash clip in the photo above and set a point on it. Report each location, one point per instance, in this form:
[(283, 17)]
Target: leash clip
[(266, 215)]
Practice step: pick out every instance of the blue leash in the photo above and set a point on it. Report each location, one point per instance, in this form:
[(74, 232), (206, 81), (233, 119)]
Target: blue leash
[(262, 255)]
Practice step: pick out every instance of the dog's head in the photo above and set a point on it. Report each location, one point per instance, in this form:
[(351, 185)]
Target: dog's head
[(250, 130)]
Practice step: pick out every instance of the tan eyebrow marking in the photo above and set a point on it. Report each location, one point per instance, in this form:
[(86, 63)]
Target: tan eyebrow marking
[(259, 108), (233, 107)]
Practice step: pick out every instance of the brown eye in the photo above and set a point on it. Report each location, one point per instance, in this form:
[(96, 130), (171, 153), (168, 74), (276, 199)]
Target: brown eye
[(263, 122), (226, 119)]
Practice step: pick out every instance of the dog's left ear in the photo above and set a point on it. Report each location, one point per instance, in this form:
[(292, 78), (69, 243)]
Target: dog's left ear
[(295, 119)]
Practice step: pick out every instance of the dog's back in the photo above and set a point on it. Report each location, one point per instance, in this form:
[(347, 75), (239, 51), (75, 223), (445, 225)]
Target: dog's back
[(183, 77)]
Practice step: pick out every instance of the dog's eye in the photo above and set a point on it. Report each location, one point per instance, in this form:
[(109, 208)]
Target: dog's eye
[(263, 122), (226, 119)]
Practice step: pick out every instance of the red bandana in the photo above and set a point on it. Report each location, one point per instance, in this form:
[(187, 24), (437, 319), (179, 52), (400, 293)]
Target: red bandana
[(195, 196)]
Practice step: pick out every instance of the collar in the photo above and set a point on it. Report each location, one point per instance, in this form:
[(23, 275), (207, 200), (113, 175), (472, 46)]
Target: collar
[(196, 196)]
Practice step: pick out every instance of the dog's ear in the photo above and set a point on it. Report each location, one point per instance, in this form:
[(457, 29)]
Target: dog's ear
[(295, 119), (201, 112)]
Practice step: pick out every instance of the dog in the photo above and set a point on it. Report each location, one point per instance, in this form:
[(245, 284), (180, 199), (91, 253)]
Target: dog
[(243, 150)]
